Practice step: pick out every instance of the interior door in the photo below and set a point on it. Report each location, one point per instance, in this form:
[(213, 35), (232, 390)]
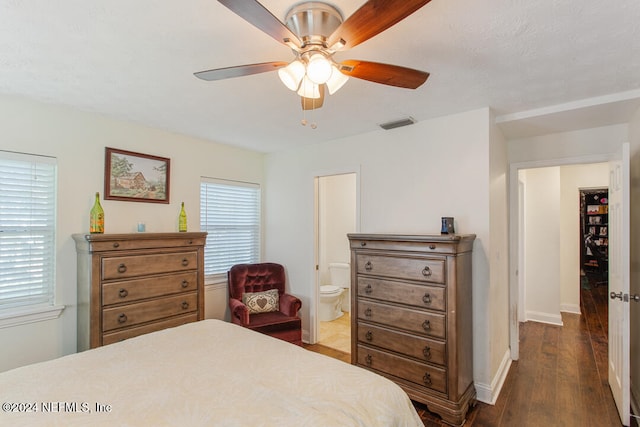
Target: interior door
[(619, 279)]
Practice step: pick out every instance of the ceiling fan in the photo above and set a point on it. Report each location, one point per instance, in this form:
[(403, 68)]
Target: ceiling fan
[(315, 31)]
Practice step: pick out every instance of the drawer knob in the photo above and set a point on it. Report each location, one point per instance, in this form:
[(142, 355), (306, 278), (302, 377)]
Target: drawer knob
[(122, 293), (369, 359), (432, 246), (426, 272), (185, 305), (185, 262), (427, 352), (369, 336), (116, 245), (191, 242), (426, 325), (426, 298), (363, 243), (367, 312), (122, 318), (368, 289), (184, 283), (122, 268), (368, 266), (427, 379)]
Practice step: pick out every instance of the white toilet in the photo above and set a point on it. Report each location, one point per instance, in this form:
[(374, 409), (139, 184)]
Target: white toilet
[(334, 298)]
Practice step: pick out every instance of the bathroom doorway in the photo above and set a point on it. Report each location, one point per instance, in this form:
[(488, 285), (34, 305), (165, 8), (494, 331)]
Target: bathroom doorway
[(336, 204)]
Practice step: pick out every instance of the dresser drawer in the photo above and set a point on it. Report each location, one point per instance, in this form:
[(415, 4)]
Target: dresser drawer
[(423, 269), (141, 312), (431, 297), (110, 338), (108, 242), (409, 370), (413, 346), (416, 321), (441, 244), (137, 289), (143, 265)]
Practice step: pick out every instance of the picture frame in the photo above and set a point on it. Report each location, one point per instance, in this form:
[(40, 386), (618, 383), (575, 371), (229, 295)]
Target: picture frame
[(136, 177)]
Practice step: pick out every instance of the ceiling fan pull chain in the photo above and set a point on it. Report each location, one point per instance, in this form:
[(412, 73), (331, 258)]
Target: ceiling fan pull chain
[(313, 113), (303, 122)]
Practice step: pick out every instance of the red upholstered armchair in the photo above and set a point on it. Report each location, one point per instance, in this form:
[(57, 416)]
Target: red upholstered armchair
[(283, 322)]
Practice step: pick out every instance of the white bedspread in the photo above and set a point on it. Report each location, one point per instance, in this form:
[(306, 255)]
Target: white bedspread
[(208, 373)]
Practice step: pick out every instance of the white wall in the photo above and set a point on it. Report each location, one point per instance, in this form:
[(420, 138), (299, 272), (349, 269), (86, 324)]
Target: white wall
[(78, 141), (542, 254), (337, 217), (572, 179), (409, 178), (581, 143), (498, 297)]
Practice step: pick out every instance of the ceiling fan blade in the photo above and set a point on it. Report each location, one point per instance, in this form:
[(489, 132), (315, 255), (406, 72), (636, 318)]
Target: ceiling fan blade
[(392, 75), (313, 103), (372, 18), (260, 17), (239, 70)]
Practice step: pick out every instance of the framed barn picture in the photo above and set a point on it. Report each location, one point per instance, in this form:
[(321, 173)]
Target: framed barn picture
[(136, 177)]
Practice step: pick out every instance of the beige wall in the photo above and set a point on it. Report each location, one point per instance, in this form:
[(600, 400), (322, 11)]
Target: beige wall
[(78, 140)]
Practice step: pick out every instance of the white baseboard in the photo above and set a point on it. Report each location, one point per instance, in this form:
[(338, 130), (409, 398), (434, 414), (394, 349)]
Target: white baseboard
[(570, 308), (489, 393), (537, 316)]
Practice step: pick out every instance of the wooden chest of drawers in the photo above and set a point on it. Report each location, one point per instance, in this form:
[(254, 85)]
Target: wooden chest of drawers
[(412, 320), (133, 284)]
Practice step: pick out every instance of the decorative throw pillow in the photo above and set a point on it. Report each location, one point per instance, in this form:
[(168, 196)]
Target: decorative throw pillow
[(261, 302)]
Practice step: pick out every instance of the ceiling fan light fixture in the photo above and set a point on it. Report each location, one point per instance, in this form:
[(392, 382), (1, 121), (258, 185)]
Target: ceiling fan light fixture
[(336, 81), (319, 68), (292, 74), (308, 89)]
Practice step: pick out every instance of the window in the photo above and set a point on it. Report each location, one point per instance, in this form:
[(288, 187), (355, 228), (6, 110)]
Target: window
[(27, 230), (230, 213)]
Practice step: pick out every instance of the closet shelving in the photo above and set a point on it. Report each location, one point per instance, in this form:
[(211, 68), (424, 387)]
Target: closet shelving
[(595, 226)]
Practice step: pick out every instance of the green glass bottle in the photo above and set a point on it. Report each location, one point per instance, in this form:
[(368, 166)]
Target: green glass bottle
[(96, 217), (182, 219)]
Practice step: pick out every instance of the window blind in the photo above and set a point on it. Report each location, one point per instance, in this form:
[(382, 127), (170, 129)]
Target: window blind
[(27, 229), (230, 213)]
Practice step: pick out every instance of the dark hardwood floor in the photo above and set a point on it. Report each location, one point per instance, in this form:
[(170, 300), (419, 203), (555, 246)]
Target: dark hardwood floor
[(560, 379)]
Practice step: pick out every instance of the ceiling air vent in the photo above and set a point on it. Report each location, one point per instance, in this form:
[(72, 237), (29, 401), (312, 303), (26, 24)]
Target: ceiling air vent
[(398, 123)]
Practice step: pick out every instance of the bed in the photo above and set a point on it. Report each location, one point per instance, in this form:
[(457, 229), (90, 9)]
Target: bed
[(207, 373)]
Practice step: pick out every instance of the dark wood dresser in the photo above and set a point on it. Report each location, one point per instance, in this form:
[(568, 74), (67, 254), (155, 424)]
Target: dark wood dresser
[(133, 284), (411, 316)]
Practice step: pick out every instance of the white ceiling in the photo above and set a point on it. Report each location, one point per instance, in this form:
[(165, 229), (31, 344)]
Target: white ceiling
[(134, 60)]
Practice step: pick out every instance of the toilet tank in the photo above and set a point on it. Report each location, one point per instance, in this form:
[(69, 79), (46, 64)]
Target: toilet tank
[(340, 274)]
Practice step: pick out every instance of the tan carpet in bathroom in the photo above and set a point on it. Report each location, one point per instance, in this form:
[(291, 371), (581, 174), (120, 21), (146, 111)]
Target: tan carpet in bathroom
[(337, 333)]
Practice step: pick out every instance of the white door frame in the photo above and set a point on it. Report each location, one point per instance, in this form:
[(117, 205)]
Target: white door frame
[(516, 287)]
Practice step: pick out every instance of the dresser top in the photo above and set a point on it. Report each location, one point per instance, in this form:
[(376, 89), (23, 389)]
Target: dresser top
[(106, 237), (118, 242), (413, 237)]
